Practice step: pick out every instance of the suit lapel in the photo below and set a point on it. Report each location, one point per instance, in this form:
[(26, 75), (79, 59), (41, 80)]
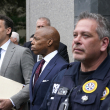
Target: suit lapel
[(8, 55), (45, 72)]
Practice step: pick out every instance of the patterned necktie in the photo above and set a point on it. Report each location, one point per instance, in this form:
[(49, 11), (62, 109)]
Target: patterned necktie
[(0, 52), (38, 70)]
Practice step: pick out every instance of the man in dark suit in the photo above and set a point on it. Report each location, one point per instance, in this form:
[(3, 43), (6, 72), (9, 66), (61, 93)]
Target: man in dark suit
[(62, 50), (16, 63), (45, 43)]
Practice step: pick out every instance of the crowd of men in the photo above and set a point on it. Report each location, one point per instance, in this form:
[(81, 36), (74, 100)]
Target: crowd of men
[(42, 66)]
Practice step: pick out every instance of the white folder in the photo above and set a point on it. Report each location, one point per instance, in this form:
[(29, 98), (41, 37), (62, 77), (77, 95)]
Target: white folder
[(8, 87)]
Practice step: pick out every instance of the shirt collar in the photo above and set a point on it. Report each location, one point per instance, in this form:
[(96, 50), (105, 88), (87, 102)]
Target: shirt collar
[(5, 46), (48, 57)]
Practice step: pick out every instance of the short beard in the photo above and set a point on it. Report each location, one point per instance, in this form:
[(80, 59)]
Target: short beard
[(79, 59)]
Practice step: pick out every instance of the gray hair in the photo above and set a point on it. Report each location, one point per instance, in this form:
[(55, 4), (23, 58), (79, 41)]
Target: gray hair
[(15, 35), (103, 28), (47, 19)]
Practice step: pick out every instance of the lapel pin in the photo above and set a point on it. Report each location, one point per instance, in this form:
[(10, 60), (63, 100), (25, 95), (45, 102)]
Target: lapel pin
[(84, 98)]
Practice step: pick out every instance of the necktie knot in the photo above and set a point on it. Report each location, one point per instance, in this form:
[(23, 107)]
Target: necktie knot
[(42, 62)]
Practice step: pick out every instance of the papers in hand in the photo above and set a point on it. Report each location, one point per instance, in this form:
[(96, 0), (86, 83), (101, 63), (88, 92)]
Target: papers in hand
[(8, 87)]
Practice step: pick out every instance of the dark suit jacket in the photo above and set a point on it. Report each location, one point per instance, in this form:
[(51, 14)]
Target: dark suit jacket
[(38, 93), (62, 50)]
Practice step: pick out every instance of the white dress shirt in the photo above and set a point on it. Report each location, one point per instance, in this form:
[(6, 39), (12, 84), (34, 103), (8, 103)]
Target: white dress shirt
[(47, 59), (3, 51)]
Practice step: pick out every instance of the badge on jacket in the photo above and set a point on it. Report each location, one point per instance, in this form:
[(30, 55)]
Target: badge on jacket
[(90, 86), (62, 91), (84, 98), (105, 93), (55, 88)]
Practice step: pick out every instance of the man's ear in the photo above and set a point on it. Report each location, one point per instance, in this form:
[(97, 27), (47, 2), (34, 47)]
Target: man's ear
[(50, 42), (15, 39), (9, 30), (104, 43)]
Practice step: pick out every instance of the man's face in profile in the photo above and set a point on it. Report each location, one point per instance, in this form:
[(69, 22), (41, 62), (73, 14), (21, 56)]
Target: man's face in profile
[(39, 43)]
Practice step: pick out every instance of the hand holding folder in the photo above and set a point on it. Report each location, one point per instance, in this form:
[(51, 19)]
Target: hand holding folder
[(8, 87)]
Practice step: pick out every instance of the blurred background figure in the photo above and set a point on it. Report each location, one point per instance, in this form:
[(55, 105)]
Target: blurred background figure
[(15, 38), (31, 38)]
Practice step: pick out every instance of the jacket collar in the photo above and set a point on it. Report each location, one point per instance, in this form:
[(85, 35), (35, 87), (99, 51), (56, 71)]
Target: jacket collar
[(99, 73), (102, 70)]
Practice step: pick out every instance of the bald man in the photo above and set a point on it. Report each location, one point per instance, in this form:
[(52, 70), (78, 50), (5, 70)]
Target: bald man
[(45, 42)]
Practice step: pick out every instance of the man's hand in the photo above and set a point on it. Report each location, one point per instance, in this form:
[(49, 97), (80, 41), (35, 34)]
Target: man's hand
[(5, 104)]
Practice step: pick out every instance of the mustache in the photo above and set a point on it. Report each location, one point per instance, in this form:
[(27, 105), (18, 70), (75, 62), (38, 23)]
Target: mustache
[(77, 47)]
